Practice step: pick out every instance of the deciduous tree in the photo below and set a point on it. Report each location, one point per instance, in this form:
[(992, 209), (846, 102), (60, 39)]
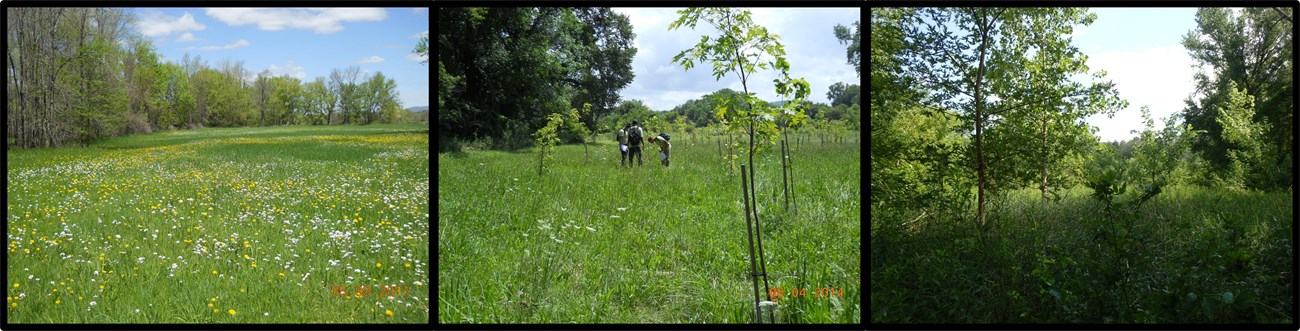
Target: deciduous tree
[(974, 60)]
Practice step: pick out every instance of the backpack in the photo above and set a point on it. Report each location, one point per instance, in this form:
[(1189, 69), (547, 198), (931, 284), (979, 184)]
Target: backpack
[(666, 136), (634, 136)]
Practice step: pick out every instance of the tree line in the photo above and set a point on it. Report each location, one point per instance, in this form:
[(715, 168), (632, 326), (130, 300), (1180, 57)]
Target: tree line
[(979, 99), (81, 74), (501, 71)]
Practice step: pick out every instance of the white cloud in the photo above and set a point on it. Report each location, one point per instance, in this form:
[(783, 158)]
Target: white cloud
[(417, 58), (420, 35), (234, 45), (418, 11), (290, 69), (319, 20), (666, 100), (372, 59), (812, 50), (646, 17), (155, 24), (1157, 77), (1079, 31), (187, 37)]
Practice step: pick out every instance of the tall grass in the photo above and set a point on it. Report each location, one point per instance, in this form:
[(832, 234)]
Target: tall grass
[(1191, 255), (591, 242)]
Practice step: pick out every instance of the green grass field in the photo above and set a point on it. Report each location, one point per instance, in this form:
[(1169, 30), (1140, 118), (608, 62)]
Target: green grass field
[(240, 225), (591, 242), (1190, 255)]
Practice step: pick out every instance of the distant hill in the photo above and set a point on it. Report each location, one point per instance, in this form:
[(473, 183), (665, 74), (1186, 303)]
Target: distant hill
[(419, 109)]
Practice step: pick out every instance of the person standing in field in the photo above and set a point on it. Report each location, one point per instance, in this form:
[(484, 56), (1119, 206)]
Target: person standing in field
[(664, 146), (634, 135), (621, 135)]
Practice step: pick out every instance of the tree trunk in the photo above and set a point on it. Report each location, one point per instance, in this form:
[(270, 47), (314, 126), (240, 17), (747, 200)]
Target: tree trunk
[(794, 199), (1042, 187), (785, 180), (719, 140), (753, 268), (979, 120)]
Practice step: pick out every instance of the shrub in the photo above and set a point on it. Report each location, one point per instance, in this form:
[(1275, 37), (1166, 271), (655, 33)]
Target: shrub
[(137, 124)]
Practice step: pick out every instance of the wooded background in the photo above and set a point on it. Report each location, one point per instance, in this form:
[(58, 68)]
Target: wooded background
[(80, 74)]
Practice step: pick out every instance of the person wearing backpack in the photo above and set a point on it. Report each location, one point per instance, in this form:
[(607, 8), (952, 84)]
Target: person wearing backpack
[(621, 135), (664, 146), (634, 136)]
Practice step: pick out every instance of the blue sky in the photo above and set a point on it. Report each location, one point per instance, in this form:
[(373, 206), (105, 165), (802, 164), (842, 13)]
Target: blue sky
[(304, 43), (1141, 51), (807, 34)]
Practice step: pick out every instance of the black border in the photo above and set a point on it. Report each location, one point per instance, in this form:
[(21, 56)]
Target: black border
[(650, 4), (4, 254), (1295, 33)]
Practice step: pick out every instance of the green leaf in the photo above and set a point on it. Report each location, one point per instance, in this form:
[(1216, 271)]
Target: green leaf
[(1227, 297), (1207, 307)]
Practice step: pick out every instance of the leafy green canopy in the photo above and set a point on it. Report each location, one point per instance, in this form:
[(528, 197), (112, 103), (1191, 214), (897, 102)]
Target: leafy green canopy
[(505, 69), (742, 48), (1246, 53)]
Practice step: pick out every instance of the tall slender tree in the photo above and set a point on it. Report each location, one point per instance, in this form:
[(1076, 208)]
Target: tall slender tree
[(973, 60), (1245, 51)]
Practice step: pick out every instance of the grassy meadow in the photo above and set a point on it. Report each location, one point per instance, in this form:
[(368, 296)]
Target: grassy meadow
[(1190, 255), (590, 242), (223, 225)]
